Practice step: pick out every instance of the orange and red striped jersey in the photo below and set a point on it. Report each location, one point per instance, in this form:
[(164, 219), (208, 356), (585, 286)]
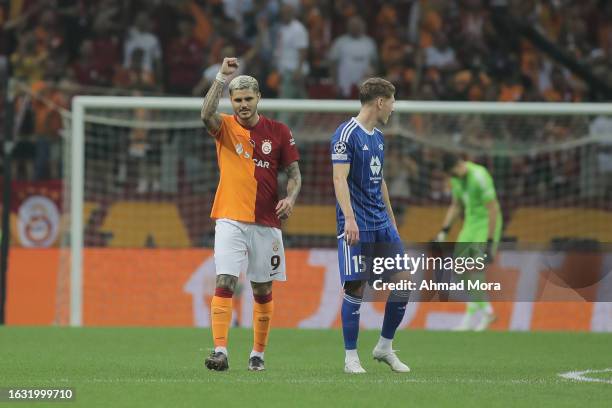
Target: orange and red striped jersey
[(249, 160)]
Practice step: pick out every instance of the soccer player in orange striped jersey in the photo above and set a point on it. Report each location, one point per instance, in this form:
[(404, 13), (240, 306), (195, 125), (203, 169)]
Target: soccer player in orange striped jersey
[(250, 151)]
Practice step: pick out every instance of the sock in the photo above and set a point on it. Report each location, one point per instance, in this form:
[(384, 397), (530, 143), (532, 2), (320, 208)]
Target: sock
[(471, 308), (221, 349), (350, 321), (394, 313), (485, 306), (221, 317), (257, 354), (477, 296), (262, 316), (384, 344), (350, 355)]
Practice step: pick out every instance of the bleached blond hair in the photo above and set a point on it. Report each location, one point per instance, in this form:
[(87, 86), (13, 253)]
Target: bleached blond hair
[(243, 82)]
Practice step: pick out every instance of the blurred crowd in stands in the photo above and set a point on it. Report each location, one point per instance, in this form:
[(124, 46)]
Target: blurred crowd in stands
[(430, 49)]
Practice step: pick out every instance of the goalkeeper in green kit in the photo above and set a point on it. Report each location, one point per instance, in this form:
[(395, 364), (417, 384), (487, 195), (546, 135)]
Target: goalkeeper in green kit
[(473, 193)]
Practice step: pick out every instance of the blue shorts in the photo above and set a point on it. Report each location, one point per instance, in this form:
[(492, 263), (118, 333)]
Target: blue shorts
[(353, 260)]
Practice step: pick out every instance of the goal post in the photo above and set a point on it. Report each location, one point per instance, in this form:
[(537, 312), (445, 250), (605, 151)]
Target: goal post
[(442, 126)]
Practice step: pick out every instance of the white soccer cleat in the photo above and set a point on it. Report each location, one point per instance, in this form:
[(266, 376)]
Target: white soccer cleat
[(390, 358), (484, 323), (465, 325), (353, 367)]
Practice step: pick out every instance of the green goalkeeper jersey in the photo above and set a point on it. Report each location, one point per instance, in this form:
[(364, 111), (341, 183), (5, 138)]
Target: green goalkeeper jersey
[(474, 191)]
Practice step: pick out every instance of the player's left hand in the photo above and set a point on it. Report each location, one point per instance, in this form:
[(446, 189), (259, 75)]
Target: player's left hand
[(284, 208)]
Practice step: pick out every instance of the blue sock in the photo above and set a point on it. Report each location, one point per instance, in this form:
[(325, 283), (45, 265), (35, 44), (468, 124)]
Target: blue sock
[(394, 313), (350, 321)]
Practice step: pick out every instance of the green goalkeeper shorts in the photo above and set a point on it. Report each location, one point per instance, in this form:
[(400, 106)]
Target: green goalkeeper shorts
[(472, 240)]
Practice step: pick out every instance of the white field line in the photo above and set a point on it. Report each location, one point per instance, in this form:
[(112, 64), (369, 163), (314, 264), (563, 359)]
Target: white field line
[(582, 375), (348, 379), (361, 379)]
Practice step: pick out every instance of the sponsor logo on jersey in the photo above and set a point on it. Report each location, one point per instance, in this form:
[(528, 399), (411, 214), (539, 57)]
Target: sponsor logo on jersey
[(239, 149), (261, 163), (375, 166), (365, 147), (241, 152)]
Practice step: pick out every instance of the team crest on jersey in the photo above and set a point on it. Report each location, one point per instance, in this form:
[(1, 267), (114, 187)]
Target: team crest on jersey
[(266, 147), (239, 149), (381, 147), (340, 147)]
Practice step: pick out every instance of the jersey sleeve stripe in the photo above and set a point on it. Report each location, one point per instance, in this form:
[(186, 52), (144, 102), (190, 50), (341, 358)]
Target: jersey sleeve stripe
[(344, 128), (346, 132)]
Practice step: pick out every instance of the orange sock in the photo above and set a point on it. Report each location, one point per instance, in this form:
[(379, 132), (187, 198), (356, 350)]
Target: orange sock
[(221, 317), (262, 316)]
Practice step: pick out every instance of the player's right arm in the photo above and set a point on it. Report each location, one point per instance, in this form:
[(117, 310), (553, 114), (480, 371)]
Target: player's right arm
[(451, 215), (209, 114), (343, 195)]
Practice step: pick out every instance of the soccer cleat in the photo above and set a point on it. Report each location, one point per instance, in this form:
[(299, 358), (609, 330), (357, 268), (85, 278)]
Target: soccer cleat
[(390, 358), (353, 367), (217, 361), (465, 325), (484, 323), (256, 363)]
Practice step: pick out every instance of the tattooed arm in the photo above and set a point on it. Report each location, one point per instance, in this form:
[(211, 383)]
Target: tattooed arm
[(294, 184), (209, 115)]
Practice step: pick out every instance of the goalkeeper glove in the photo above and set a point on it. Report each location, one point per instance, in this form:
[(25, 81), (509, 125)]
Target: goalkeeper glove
[(441, 237), (489, 252)]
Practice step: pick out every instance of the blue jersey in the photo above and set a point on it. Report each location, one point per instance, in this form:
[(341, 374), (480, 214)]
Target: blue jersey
[(364, 151)]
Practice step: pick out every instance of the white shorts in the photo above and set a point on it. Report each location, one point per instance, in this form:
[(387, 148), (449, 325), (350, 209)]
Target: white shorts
[(253, 248)]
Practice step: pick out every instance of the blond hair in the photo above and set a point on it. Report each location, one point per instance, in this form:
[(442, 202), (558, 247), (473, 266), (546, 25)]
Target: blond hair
[(244, 82)]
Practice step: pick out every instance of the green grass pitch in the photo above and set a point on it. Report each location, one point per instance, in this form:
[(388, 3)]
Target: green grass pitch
[(149, 367)]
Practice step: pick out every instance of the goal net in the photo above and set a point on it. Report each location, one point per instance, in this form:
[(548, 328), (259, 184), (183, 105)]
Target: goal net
[(141, 173)]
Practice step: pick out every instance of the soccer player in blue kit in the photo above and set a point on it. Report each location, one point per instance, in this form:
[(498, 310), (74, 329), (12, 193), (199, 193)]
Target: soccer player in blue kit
[(364, 216)]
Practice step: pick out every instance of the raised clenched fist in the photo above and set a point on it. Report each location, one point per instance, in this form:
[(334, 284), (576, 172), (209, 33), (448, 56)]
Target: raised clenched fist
[(229, 66)]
